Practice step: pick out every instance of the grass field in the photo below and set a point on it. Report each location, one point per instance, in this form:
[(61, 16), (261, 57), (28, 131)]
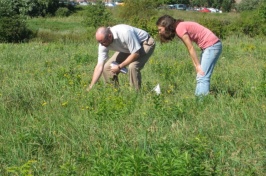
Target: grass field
[(51, 126)]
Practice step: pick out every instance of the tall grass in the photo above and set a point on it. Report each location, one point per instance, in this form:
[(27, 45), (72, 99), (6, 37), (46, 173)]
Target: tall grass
[(51, 126), (67, 29)]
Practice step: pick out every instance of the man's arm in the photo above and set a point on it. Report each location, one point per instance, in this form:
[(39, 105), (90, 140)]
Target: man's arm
[(96, 75), (133, 46), (131, 58)]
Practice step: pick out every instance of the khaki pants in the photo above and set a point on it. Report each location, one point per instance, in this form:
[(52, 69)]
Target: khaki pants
[(134, 68)]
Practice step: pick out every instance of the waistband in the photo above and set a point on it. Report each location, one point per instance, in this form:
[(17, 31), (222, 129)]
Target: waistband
[(147, 38), (212, 45), (148, 41)]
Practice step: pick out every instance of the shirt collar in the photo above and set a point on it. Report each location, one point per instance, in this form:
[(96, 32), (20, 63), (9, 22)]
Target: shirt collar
[(114, 33)]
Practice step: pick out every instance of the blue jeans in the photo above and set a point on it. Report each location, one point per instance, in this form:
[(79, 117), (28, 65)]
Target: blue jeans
[(209, 57)]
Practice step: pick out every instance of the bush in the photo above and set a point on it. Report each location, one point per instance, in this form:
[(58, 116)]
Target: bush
[(219, 27), (248, 5), (97, 15), (141, 14), (227, 5), (12, 26), (262, 12), (42, 8), (262, 17), (62, 12), (251, 24), (13, 29), (34, 8)]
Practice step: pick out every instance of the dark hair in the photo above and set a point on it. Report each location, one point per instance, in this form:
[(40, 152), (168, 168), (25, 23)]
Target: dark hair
[(169, 23)]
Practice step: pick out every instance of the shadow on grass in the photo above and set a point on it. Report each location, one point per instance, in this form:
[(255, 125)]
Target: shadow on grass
[(229, 91)]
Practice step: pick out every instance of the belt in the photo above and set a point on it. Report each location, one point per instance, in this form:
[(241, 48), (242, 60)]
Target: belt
[(146, 42), (148, 38)]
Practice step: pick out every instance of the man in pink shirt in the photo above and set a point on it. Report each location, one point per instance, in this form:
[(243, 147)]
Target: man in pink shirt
[(189, 32)]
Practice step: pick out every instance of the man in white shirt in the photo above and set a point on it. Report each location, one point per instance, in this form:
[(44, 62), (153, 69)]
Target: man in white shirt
[(133, 48)]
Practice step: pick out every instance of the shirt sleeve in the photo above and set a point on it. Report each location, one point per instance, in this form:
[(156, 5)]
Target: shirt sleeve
[(181, 30), (102, 53), (132, 42)]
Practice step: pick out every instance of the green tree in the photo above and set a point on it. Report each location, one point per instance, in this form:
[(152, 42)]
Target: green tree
[(215, 3), (227, 5), (176, 2), (12, 25), (183, 2), (35, 7), (199, 3)]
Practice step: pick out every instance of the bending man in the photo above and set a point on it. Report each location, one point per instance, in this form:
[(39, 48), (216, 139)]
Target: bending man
[(133, 48)]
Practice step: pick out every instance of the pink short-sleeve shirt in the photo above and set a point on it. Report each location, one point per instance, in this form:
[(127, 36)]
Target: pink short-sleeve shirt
[(197, 33)]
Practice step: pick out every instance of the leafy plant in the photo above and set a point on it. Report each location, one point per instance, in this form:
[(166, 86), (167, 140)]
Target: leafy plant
[(219, 27), (248, 5), (62, 12), (24, 170), (97, 15), (35, 8), (12, 26), (141, 14)]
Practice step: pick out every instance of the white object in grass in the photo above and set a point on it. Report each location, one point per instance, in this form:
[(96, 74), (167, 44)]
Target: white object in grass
[(157, 89)]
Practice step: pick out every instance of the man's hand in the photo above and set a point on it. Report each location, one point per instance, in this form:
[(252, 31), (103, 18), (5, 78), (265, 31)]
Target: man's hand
[(115, 69)]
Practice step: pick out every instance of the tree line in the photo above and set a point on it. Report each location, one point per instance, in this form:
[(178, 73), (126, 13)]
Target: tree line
[(14, 13), (43, 8), (225, 5)]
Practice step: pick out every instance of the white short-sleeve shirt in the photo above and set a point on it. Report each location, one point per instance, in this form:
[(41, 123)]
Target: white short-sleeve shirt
[(126, 39)]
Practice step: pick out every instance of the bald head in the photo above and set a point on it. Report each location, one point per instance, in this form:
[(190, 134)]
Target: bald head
[(101, 33), (104, 36)]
